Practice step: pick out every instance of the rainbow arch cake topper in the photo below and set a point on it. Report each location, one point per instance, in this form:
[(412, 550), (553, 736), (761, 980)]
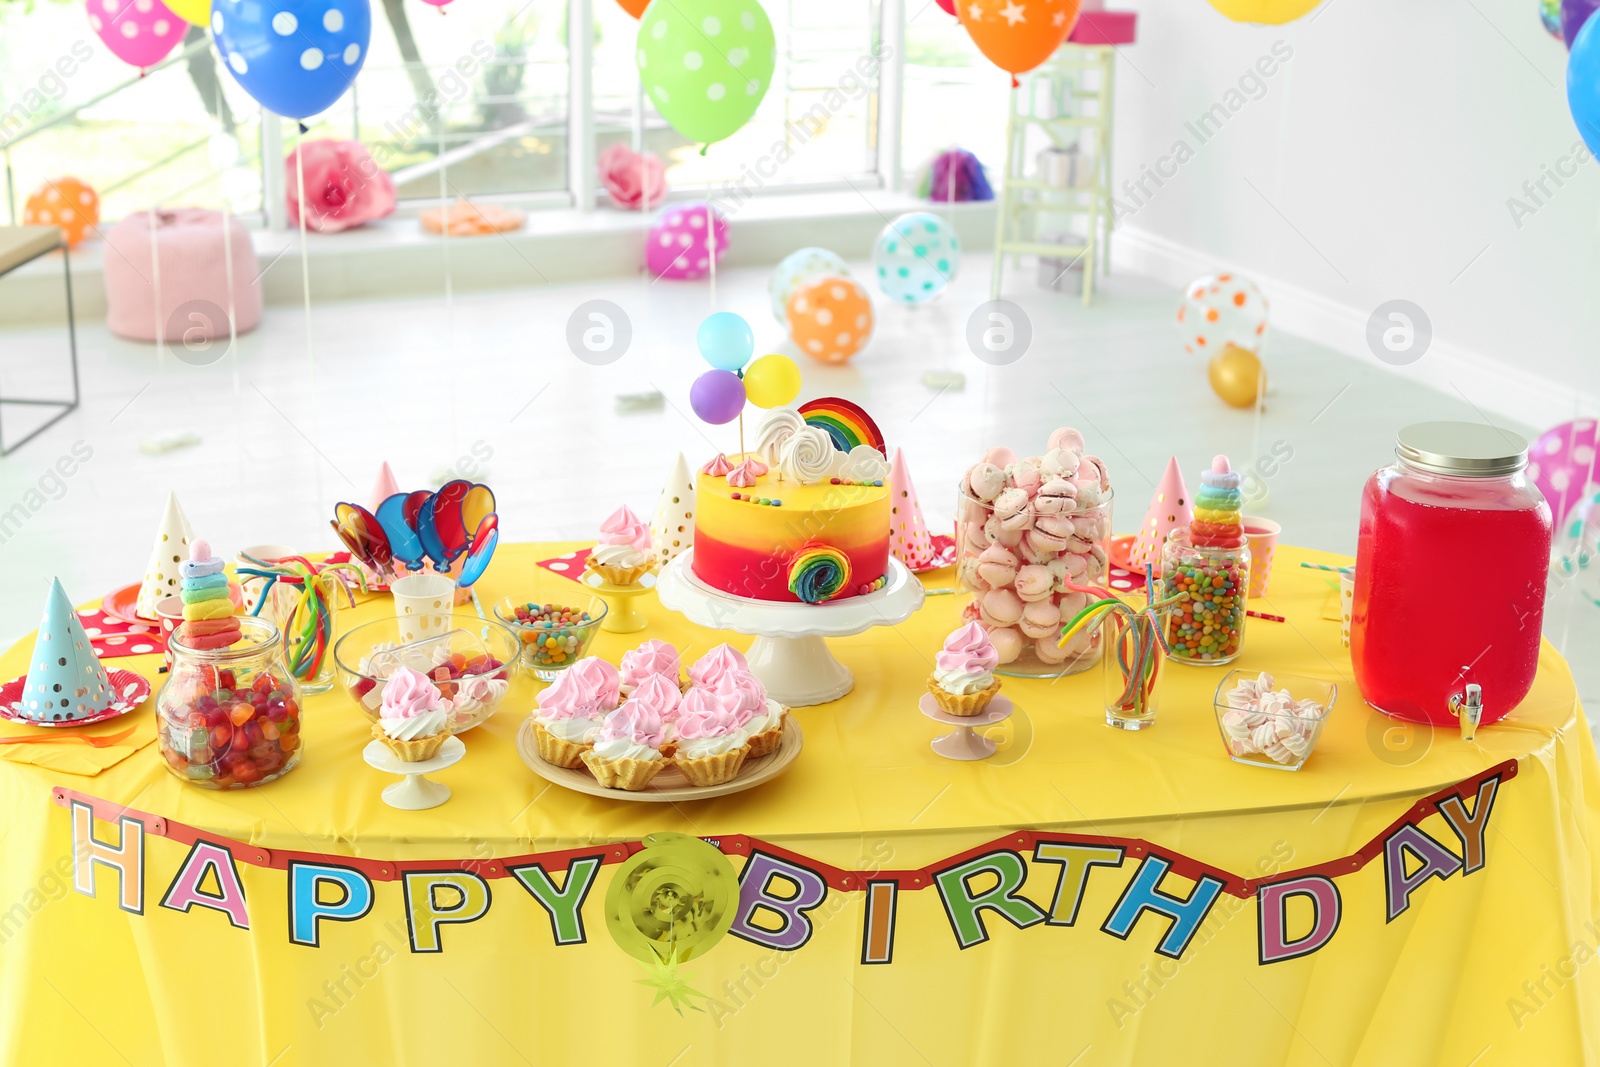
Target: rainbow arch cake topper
[(843, 421)]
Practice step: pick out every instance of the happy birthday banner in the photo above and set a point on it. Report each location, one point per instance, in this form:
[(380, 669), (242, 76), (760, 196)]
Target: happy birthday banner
[(329, 888)]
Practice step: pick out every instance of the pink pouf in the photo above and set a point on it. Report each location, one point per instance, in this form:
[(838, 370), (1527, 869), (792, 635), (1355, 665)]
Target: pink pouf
[(190, 274)]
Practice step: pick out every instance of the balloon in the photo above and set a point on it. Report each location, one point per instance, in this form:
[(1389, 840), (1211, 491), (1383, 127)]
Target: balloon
[(830, 318), (66, 203), (484, 541), (1236, 376), (677, 246), (1575, 548), (725, 340), (948, 6), (1221, 310), (1583, 83), (140, 32), (295, 57), (1265, 12), (634, 7), (194, 12), (706, 64), (1014, 41), (1562, 461), (717, 396), (917, 256), (796, 267), (1574, 16), (362, 535), (1550, 16), (772, 381), (404, 543)]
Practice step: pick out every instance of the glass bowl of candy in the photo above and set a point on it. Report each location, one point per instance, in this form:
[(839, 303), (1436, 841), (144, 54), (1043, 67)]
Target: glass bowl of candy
[(553, 635), (1272, 720), (229, 718), (470, 663)]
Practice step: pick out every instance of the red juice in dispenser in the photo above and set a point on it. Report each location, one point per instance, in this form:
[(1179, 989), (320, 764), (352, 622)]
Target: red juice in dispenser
[(1450, 574)]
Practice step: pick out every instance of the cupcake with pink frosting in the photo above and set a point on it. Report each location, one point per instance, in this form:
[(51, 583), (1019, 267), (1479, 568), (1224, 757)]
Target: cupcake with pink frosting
[(625, 553), (759, 715), (571, 711), (414, 718), (720, 660), (626, 751), (651, 658), (712, 743), (963, 680)]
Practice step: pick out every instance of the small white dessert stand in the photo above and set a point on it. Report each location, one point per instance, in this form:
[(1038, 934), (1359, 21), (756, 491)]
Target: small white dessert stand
[(414, 792), (964, 743), (789, 654)]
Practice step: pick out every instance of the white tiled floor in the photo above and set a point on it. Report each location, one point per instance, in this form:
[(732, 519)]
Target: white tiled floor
[(488, 379)]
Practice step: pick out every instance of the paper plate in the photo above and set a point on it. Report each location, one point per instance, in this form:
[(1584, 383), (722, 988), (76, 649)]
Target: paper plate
[(1121, 549), (120, 603), (670, 785), (132, 690), (944, 554)]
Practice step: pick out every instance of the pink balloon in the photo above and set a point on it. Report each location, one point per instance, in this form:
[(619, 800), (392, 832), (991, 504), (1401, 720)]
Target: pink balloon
[(948, 5), (140, 32), (677, 247), (1561, 462)]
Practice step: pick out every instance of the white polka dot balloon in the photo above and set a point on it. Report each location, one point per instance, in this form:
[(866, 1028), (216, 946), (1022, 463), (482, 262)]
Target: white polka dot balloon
[(295, 57), (138, 32), (706, 64)]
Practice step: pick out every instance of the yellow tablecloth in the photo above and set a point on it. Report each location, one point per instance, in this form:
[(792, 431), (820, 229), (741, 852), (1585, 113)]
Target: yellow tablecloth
[(1495, 966)]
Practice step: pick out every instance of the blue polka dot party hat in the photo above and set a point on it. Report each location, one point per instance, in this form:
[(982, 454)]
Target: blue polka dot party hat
[(66, 681)]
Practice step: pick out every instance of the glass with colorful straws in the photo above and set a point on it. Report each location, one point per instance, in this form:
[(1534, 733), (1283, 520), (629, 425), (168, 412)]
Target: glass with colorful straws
[(1134, 650)]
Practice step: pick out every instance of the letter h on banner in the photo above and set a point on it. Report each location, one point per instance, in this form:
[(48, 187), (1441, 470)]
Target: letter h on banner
[(1144, 895)]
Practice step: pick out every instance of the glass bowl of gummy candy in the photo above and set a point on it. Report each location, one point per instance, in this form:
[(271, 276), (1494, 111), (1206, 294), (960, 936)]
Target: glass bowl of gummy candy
[(470, 663), (553, 636)]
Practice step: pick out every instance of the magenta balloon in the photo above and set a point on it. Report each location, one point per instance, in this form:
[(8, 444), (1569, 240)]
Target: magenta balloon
[(717, 396), (138, 32)]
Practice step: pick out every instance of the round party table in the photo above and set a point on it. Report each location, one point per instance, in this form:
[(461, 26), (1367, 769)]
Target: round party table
[(1084, 896)]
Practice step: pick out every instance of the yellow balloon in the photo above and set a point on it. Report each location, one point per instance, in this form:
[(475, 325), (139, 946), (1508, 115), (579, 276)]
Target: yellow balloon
[(194, 12), (1266, 12), (772, 381), (1237, 376)]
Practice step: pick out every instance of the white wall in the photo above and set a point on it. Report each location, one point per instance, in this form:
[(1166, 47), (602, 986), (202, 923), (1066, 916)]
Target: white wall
[(1382, 156)]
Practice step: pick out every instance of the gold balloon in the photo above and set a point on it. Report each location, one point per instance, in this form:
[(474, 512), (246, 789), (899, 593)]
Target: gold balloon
[(672, 900), (1237, 376), (1265, 12)]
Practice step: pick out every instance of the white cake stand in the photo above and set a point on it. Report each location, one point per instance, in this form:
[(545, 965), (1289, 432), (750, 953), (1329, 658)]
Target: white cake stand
[(790, 655), (414, 792)]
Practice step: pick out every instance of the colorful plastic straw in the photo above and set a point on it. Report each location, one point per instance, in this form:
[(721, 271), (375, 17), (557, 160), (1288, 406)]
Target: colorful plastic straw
[(308, 627), (1137, 640)]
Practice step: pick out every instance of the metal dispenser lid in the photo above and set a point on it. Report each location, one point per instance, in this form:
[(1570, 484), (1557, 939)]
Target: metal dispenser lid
[(1464, 449)]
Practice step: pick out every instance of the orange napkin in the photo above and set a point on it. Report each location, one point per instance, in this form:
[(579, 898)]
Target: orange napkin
[(63, 750)]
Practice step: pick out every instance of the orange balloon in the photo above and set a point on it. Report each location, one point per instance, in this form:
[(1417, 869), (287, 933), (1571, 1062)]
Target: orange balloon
[(1018, 35), (634, 7), (830, 318), (67, 203)]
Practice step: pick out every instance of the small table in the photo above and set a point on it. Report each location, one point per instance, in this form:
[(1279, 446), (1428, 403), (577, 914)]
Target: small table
[(20, 245)]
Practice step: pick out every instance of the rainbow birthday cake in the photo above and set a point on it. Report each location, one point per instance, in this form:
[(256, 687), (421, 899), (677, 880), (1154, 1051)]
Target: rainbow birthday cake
[(804, 517)]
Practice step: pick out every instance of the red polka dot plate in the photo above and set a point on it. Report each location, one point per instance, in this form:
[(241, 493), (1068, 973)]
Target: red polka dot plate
[(132, 690)]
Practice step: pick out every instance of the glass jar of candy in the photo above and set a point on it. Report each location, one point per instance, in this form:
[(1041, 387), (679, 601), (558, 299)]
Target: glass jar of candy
[(1454, 516), (229, 718), (1206, 628), (1030, 565)]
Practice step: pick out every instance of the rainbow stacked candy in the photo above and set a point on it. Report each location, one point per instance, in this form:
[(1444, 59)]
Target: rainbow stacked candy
[(818, 573), (208, 618), (1213, 569), (1217, 521)]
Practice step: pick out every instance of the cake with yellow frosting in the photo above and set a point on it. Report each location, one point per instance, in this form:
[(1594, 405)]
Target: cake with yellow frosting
[(800, 518)]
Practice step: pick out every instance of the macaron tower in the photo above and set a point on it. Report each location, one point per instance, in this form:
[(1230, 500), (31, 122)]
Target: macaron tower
[(208, 618), (1210, 562)]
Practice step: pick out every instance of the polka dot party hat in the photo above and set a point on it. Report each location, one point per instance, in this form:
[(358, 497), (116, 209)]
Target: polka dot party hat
[(1170, 509), (908, 532), (171, 548), (672, 527), (65, 680)]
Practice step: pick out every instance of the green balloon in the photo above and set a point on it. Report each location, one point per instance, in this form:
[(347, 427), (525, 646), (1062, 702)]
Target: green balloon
[(706, 64)]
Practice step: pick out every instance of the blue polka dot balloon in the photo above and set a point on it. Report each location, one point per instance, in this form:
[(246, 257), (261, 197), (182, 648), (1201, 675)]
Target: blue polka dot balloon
[(917, 255), (295, 57)]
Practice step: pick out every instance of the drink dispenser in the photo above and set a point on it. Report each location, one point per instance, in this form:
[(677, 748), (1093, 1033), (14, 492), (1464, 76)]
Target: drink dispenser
[(1450, 577)]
